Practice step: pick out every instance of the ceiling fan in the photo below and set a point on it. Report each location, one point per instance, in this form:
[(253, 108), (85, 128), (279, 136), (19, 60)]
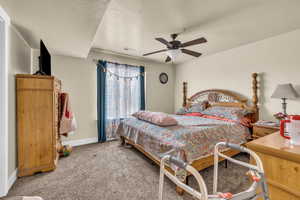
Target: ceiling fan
[(176, 47)]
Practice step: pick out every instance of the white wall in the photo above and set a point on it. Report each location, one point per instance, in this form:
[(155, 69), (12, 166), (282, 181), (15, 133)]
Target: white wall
[(79, 80), (18, 63), (276, 59), (4, 24)]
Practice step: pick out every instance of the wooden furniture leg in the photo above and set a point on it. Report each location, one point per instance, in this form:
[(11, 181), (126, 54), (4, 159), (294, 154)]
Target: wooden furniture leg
[(122, 141)]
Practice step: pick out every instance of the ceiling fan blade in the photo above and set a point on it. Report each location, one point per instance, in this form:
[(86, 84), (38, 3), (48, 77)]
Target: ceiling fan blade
[(147, 54), (162, 40), (168, 59), (194, 42), (192, 53)]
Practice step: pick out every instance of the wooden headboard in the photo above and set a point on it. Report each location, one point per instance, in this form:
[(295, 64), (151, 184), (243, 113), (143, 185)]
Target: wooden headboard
[(218, 97)]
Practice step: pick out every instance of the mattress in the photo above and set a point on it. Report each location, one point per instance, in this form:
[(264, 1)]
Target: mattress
[(192, 139)]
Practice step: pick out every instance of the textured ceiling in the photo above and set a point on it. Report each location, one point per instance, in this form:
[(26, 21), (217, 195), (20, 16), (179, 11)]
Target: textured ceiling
[(130, 26), (67, 27), (73, 27)]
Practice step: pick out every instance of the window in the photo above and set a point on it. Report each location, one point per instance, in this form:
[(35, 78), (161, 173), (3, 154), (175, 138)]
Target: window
[(123, 90), (120, 93)]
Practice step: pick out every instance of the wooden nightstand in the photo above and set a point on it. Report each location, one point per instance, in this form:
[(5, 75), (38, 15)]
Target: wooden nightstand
[(260, 130), (281, 164)]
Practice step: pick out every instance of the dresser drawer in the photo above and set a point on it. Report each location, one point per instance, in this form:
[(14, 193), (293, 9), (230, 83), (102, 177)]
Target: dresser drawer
[(282, 177), (34, 84)]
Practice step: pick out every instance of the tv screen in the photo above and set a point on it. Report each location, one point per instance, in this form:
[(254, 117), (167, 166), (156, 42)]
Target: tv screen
[(45, 60)]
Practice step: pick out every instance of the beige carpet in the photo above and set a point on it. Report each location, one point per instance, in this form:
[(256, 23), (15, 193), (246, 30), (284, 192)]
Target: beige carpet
[(111, 172)]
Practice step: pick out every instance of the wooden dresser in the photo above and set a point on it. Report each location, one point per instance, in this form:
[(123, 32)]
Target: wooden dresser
[(282, 165), (37, 123)]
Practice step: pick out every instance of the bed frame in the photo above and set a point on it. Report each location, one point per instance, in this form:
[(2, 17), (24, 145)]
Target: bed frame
[(215, 97)]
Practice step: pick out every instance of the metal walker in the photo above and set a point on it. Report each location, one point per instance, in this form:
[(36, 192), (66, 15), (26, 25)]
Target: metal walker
[(256, 172)]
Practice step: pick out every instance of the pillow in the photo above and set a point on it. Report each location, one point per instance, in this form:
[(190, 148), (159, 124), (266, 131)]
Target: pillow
[(232, 113), (182, 111), (157, 118), (198, 107)]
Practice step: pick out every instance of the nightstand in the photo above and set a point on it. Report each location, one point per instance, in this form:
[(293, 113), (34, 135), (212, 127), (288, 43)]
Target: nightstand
[(262, 129), (282, 165)]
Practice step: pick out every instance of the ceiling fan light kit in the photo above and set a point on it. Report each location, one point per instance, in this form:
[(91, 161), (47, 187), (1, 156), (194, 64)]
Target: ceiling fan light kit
[(173, 53), (175, 47)]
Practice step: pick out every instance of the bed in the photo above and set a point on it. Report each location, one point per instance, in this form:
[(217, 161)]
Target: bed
[(194, 137)]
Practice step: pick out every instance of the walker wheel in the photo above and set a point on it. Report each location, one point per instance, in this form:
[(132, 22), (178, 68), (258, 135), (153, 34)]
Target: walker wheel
[(255, 178)]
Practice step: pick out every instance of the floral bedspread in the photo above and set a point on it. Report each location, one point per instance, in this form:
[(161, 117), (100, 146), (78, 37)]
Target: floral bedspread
[(192, 139)]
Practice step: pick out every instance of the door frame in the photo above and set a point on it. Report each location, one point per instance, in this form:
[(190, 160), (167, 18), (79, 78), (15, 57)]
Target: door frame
[(4, 27)]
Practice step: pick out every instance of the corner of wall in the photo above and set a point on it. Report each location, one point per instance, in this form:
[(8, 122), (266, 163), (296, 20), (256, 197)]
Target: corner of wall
[(20, 35), (12, 179), (18, 61), (5, 22), (174, 66)]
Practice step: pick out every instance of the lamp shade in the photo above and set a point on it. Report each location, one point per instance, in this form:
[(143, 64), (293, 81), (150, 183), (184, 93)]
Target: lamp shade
[(173, 53), (286, 91)]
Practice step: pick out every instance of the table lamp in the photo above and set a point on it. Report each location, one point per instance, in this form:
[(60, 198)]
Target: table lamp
[(284, 92)]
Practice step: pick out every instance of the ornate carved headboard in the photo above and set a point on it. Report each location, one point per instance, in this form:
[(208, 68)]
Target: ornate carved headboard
[(217, 97)]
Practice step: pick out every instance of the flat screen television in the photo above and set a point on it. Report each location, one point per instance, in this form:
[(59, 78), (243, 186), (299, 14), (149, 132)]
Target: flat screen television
[(44, 61)]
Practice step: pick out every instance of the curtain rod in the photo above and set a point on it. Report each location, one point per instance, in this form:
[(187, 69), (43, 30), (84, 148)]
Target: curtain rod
[(96, 62)]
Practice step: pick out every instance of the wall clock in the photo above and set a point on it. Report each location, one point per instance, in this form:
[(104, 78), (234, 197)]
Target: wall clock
[(163, 78)]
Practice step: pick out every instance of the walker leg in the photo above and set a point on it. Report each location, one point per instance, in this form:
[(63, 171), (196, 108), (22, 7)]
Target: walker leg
[(179, 190)]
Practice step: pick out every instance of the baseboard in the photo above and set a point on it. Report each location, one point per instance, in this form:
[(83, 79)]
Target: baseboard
[(12, 179), (80, 142)]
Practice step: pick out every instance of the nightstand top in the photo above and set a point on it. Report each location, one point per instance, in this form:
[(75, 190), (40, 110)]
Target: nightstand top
[(267, 124), (275, 144)]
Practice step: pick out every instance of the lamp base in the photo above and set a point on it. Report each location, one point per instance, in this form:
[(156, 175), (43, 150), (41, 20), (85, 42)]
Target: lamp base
[(284, 105)]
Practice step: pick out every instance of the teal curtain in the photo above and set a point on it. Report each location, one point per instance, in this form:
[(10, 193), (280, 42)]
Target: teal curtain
[(101, 113), (142, 82)]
